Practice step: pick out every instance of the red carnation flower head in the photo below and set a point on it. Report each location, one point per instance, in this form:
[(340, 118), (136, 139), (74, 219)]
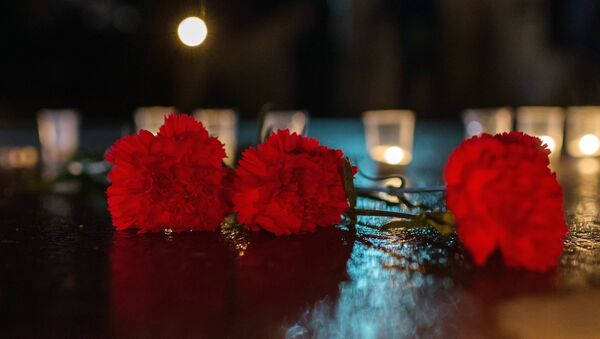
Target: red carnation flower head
[(504, 197), (173, 180), (290, 184)]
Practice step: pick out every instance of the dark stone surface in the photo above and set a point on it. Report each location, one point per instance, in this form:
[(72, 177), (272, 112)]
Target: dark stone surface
[(64, 272)]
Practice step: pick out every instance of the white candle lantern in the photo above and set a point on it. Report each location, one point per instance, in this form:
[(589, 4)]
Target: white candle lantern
[(389, 135), (222, 124), (295, 121), (487, 120), (151, 118), (583, 131), (59, 138), (545, 122)]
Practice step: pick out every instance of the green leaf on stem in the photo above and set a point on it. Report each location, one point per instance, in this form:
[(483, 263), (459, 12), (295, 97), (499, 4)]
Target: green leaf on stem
[(404, 224), (443, 222)]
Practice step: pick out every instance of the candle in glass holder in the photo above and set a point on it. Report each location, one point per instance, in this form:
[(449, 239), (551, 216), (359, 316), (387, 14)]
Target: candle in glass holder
[(151, 118), (222, 124), (545, 122), (59, 138), (487, 120), (295, 121), (583, 131), (389, 135)]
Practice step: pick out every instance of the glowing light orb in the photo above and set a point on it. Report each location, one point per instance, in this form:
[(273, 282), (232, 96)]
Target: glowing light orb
[(549, 141), (394, 155), (192, 31), (589, 144)]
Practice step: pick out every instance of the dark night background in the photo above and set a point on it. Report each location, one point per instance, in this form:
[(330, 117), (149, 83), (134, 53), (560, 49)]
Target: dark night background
[(335, 58)]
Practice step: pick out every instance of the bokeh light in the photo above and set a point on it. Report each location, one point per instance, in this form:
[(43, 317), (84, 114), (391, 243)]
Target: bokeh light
[(474, 128), (192, 31), (589, 144), (549, 141), (394, 155)]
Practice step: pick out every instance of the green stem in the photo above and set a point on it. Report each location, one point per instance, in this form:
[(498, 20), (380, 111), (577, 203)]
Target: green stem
[(378, 213), (400, 190)]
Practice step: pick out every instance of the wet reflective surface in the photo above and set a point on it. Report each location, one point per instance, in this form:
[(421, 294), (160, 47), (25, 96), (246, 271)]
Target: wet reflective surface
[(64, 272)]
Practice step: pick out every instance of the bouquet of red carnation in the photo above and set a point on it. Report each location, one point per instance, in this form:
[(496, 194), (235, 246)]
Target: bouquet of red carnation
[(501, 194)]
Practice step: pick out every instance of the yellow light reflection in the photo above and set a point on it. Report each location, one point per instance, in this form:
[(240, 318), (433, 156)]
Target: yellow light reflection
[(394, 155), (192, 31), (75, 168), (549, 141), (19, 157), (390, 154), (588, 166), (589, 144), (390, 182)]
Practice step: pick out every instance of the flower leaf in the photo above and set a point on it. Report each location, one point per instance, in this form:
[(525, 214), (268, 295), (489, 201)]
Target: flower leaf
[(405, 224), (442, 221)]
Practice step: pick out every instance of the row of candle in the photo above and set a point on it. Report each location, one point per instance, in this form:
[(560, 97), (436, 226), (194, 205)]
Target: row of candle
[(222, 123), (547, 122), (389, 134), (59, 133)]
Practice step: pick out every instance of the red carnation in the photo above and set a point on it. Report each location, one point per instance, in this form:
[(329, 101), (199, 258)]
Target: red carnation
[(504, 196), (172, 180), (290, 184)]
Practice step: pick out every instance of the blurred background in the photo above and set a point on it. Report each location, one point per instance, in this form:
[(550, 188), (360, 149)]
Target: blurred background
[(334, 58)]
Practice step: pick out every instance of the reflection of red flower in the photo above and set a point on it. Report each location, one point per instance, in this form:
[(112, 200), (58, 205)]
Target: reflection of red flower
[(170, 288), (172, 180), (290, 184), (504, 196), (194, 285), (280, 278)]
